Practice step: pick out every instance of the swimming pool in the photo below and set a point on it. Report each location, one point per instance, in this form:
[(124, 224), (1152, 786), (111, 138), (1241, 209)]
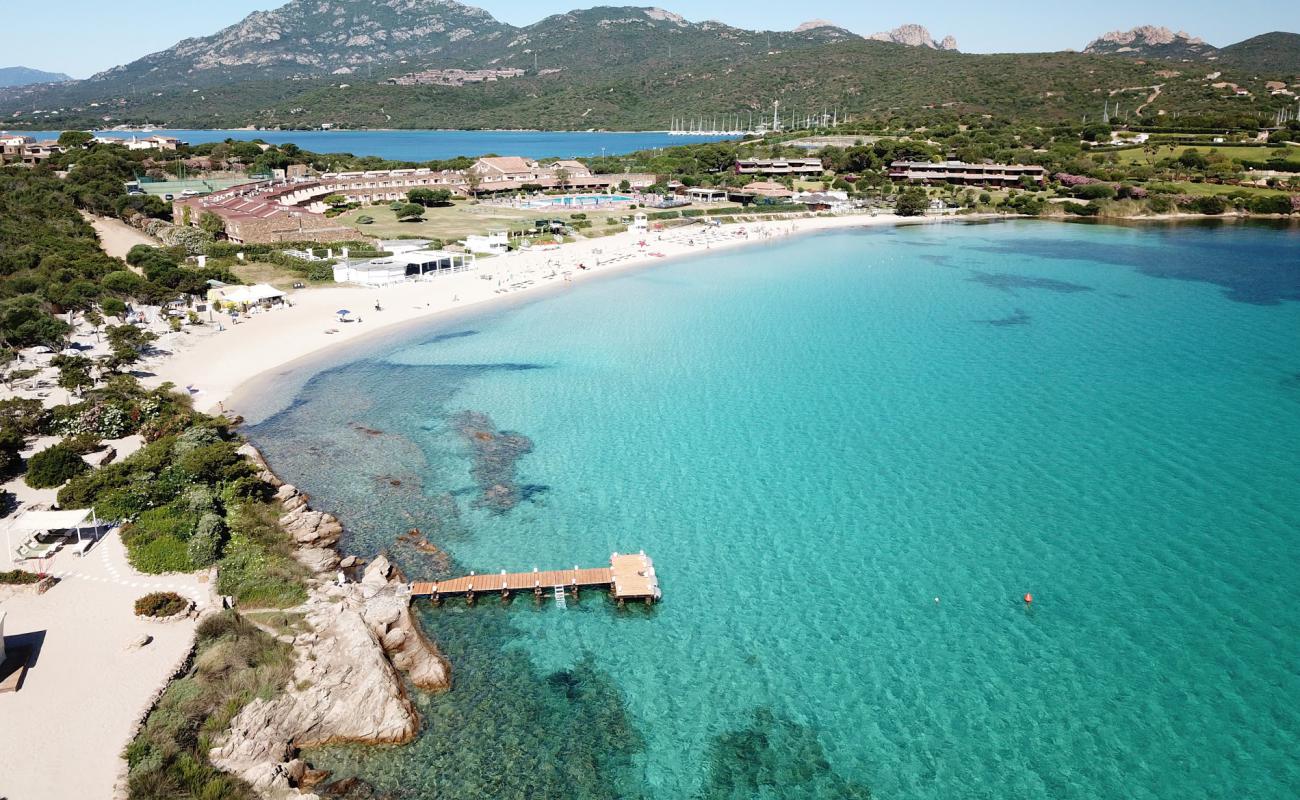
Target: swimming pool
[(580, 201)]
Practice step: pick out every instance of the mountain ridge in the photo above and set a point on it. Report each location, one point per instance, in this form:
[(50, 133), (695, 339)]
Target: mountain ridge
[(26, 76), (358, 62)]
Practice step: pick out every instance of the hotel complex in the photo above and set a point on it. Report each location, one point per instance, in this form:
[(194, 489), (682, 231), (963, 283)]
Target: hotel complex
[(294, 210), (964, 173)]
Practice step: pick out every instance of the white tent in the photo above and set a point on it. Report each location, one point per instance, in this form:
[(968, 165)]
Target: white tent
[(239, 295), (33, 521)]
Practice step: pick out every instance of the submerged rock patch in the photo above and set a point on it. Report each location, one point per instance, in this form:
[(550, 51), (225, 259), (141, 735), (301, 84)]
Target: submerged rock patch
[(496, 454)]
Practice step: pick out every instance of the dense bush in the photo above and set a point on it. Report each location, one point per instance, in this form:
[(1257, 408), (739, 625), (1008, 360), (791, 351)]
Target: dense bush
[(1095, 191), (205, 544), (18, 577), (1210, 204), (54, 466), (912, 202), (160, 604)]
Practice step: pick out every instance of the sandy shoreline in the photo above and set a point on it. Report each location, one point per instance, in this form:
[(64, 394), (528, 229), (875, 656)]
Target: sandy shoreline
[(215, 364)]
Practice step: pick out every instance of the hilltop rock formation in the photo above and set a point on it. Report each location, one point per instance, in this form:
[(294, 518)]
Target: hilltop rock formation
[(914, 36), (1151, 41)]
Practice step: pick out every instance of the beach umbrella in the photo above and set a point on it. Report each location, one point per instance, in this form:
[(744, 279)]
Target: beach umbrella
[(342, 312), (40, 348)]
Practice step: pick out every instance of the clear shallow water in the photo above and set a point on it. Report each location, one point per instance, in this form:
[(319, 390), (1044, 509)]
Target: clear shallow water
[(816, 439), (407, 145)]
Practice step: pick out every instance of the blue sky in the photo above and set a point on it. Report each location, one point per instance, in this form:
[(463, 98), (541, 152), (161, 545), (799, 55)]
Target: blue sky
[(84, 36)]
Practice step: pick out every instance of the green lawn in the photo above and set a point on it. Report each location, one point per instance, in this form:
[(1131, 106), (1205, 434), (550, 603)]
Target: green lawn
[(1204, 189), (1139, 156), (455, 222)]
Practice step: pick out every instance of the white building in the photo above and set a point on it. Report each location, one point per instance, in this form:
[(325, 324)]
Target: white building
[(418, 265), (492, 244)]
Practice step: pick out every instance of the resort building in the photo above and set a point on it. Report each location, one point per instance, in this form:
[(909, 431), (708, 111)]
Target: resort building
[(779, 166), (244, 297), (258, 213), (492, 244), (19, 149), (454, 77), (150, 143), (417, 265), (768, 189), (700, 194), (960, 172)]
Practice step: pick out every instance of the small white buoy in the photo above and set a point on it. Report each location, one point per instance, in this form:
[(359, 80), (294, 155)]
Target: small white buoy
[(936, 601)]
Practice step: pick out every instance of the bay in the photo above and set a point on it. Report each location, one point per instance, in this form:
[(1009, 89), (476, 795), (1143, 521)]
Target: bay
[(429, 145), (850, 456)]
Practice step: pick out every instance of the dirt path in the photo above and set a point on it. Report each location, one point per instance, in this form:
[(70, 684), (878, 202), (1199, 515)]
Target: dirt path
[(116, 237)]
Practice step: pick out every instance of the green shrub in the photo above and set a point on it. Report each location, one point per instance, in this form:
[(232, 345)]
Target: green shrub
[(1095, 191), (18, 577), (258, 568), (83, 443), (54, 466), (204, 547), (160, 556), (1160, 205), (365, 219), (160, 604)]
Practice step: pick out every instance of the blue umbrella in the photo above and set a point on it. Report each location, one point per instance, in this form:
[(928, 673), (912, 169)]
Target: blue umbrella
[(342, 312)]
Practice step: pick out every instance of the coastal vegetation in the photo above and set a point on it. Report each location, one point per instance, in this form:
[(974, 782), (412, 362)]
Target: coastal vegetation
[(234, 663)]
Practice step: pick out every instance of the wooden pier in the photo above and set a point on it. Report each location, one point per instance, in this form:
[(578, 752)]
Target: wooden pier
[(628, 577)]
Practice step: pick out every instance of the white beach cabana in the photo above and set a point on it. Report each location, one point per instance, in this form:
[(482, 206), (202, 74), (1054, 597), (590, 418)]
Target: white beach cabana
[(256, 294), (32, 522)]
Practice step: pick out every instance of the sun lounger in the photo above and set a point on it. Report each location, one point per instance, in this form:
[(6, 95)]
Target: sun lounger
[(34, 549)]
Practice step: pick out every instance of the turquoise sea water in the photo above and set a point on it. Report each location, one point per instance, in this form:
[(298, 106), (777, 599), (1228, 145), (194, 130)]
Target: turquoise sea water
[(419, 145), (850, 455)]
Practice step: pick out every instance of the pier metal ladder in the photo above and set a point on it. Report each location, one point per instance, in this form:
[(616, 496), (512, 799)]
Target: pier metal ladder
[(560, 600)]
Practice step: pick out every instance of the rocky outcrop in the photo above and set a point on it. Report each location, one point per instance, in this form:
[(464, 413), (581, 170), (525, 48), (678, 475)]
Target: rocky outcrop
[(347, 683), (914, 36), (1151, 41)]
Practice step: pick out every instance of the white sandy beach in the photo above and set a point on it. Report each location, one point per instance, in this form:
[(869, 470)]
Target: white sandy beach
[(214, 364)]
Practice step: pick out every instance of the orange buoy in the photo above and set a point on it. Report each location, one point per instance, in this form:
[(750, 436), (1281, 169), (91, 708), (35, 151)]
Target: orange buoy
[(1029, 598)]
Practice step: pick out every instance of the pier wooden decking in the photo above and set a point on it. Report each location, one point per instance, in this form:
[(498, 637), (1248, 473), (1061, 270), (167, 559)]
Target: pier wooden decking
[(628, 577)]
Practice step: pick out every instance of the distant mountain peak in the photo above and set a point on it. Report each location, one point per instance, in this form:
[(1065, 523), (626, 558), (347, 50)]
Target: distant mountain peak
[(914, 35), (665, 16), (814, 24)]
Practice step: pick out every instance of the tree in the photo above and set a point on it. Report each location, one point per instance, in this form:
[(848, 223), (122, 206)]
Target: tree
[(75, 139), (562, 177), (429, 197), (912, 202), (212, 223), (411, 212), (473, 180), (74, 372), (624, 186), (126, 342)]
